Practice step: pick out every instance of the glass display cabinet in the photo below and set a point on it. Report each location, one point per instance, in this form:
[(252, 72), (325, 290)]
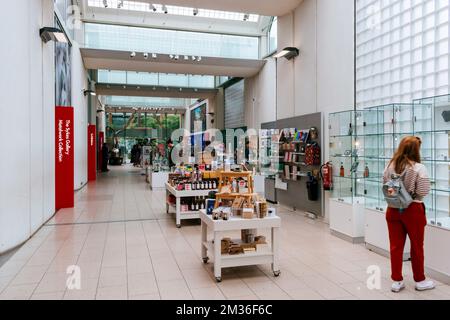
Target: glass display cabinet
[(384, 128), (432, 125), (345, 155), (269, 152), (346, 204)]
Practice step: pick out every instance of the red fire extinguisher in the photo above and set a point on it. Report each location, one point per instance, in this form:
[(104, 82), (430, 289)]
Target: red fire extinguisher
[(326, 172)]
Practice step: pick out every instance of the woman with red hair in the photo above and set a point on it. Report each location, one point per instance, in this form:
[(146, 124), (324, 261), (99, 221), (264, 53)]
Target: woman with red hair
[(412, 220)]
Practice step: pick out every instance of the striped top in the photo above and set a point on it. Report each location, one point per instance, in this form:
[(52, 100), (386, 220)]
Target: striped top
[(416, 180)]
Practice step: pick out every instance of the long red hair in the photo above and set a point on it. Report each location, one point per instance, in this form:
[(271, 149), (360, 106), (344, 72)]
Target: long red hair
[(408, 152)]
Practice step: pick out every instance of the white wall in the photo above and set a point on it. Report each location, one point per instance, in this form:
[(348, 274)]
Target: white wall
[(260, 96), (80, 105), (27, 125), (321, 79)]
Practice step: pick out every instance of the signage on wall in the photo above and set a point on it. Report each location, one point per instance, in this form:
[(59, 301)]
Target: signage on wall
[(92, 165), (64, 162)]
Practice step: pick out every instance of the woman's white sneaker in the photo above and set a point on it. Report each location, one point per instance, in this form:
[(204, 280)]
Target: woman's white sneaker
[(398, 286), (424, 285)]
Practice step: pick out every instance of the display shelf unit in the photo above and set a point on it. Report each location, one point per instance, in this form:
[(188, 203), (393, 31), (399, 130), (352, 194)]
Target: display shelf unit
[(432, 125), (268, 152), (220, 228), (226, 179), (183, 215), (346, 202), (383, 129), (292, 147)]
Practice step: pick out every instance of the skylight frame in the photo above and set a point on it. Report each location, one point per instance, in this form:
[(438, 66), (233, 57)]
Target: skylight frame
[(131, 5)]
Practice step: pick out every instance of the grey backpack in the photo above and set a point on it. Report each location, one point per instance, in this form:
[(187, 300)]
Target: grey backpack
[(400, 198)]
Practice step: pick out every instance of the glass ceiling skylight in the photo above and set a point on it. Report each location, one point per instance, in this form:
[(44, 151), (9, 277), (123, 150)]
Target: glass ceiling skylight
[(175, 10)]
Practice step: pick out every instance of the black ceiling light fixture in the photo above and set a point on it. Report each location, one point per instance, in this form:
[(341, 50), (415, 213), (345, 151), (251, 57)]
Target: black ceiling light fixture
[(288, 53), (53, 34), (89, 92)]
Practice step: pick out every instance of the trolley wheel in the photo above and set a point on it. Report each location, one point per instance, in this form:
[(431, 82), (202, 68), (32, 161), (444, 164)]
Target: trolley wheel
[(219, 279), (205, 260), (277, 273)]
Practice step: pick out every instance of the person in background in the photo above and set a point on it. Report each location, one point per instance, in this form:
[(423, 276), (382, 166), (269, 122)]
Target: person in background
[(410, 221), (105, 157), (169, 151), (137, 155)]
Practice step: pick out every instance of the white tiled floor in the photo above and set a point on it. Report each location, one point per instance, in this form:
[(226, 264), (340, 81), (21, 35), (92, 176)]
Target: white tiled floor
[(127, 247)]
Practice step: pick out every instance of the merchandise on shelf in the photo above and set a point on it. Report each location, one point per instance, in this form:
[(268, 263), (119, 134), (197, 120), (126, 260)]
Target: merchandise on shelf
[(432, 126), (346, 156)]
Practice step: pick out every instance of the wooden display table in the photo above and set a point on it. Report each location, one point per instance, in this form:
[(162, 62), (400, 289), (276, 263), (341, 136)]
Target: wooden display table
[(220, 227), (183, 194)]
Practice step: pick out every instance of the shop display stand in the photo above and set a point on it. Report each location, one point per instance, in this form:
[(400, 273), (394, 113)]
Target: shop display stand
[(347, 198), (220, 228), (226, 178), (179, 215), (384, 127), (432, 125)]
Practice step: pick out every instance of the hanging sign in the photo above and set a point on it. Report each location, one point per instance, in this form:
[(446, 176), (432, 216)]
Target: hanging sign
[(92, 164), (64, 162)]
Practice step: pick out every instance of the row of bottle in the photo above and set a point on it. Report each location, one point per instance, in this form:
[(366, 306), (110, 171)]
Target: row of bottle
[(342, 171), (209, 184), (192, 204)]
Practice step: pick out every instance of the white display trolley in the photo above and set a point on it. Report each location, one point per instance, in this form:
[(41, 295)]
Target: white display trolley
[(179, 215), (220, 228)]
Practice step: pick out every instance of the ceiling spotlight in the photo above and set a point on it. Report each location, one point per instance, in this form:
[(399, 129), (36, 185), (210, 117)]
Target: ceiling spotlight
[(195, 12), (124, 87), (89, 92), (49, 33), (120, 4), (145, 55), (154, 55), (154, 88), (288, 53), (181, 89), (199, 59), (105, 3), (177, 57), (138, 88), (164, 9), (195, 89), (186, 58), (246, 16), (132, 54), (152, 7), (171, 56), (194, 58), (167, 89)]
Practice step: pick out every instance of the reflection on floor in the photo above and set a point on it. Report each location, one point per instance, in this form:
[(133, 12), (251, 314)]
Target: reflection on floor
[(127, 247)]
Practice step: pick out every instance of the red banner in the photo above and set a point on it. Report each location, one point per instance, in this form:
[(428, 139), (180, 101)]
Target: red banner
[(92, 165), (64, 162), (101, 140)]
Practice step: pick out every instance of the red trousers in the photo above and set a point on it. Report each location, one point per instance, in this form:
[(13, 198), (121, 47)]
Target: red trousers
[(411, 222)]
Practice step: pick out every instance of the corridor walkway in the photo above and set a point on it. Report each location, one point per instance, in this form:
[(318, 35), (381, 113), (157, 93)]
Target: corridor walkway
[(127, 247)]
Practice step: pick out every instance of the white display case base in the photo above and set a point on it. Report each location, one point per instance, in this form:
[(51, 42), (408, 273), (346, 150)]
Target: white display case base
[(354, 240), (437, 254), (377, 234), (347, 219)]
